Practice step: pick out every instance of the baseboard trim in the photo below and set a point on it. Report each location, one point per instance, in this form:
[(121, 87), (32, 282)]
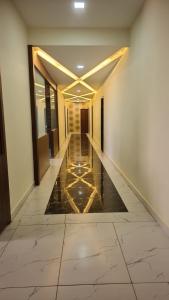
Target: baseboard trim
[(134, 189), (140, 196), (20, 203)]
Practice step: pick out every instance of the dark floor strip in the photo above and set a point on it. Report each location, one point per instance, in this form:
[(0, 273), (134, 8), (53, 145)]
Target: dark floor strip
[(83, 185)]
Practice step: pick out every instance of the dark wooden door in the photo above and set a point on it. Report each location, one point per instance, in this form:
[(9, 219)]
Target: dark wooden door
[(84, 120), (102, 124), (92, 121), (5, 217)]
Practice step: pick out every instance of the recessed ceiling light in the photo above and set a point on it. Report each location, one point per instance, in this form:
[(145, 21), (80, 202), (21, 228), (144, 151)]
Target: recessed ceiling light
[(78, 4), (78, 91), (80, 67)]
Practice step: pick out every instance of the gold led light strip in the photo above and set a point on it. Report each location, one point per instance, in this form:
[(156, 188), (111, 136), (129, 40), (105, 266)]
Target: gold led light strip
[(71, 85), (55, 63), (100, 66), (105, 63), (73, 95), (78, 80), (76, 96), (87, 86)]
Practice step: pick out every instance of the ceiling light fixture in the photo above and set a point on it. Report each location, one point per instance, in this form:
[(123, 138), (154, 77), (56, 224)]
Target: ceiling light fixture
[(80, 67), (79, 4)]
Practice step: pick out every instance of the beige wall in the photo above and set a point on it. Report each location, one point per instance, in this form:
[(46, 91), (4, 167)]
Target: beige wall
[(15, 85), (137, 109), (74, 114)]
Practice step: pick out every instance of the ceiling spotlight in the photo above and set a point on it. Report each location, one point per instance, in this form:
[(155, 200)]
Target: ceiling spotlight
[(78, 4), (80, 67), (78, 91)]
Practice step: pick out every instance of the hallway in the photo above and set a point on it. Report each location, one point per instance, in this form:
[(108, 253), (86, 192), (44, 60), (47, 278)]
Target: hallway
[(84, 143), (83, 256)]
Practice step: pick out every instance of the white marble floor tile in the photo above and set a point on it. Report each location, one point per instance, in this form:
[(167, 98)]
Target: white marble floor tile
[(97, 292), (33, 207), (134, 205), (152, 291), (139, 216), (43, 220), (35, 293), (32, 257), (146, 251), (91, 255), (13, 225), (5, 236)]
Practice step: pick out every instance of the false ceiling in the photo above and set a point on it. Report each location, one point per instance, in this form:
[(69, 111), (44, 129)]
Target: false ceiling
[(70, 57), (61, 13)]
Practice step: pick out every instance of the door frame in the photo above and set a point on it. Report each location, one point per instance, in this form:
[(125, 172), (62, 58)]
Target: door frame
[(84, 109), (92, 118), (102, 124), (4, 188), (35, 140), (33, 116)]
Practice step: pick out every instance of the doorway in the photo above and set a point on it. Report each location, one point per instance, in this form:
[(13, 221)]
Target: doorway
[(44, 112), (5, 216), (102, 124), (84, 120)]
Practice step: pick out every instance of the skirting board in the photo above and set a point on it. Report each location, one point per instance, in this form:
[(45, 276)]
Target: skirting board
[(21, 202), (134, 189)]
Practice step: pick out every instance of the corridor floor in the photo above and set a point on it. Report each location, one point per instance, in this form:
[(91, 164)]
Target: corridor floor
[(76, 256), (83, 185)]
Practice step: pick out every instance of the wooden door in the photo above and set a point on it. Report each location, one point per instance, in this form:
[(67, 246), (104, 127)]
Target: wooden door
[(84, 120), (5, 217)]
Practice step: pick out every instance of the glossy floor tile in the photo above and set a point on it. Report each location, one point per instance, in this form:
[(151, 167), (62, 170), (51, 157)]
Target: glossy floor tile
[(34, 293), (91, 255), (96, 292), (146, 251), (95, 254), (83, 185), (32, 257), (152, 291), (109, 217), (42, 220), (5, 237)]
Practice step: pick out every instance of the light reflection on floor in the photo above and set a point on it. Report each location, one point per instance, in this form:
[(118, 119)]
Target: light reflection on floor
[(83, 185)]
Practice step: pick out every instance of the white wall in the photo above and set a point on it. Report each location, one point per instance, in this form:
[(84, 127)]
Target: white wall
[(61, 107), (137, 109), (15, 85)]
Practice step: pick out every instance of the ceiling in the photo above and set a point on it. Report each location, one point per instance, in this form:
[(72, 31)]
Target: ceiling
[(70, 57), (61, 13)]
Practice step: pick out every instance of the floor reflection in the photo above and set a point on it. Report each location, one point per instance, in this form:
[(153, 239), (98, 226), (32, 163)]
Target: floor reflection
[(83, 185)]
